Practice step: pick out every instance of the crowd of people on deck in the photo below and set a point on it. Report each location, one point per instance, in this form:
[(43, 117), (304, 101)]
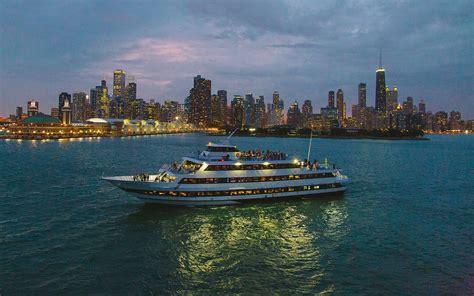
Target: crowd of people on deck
[(315, 165), (142, 177), (262, 155)]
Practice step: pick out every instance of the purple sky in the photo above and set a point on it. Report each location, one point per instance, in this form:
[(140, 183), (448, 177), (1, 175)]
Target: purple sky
[(303, 49)]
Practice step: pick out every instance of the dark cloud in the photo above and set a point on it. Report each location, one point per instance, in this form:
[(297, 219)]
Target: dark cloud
[(301, 48)]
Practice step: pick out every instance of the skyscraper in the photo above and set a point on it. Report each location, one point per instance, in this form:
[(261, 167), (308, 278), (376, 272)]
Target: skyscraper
[(277, 111), (340, 104), (216, 120), (260, 116), (130, 96), (306, 112), (422, 106), (392, 99), (294, 114), (362, 95), (249, 110), (380, 95), (79, 107), (331, 99), (103, 102), (200, 102), (222, 94), (237, 107), (119, 84)]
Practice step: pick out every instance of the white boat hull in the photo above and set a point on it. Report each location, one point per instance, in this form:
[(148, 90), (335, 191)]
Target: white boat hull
[(234, 200)]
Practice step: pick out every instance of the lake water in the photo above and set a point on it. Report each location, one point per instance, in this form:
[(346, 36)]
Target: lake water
[(404, 226)]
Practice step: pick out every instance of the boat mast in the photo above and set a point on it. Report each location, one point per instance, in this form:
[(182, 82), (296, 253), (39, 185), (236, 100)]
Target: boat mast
[(309, 146)]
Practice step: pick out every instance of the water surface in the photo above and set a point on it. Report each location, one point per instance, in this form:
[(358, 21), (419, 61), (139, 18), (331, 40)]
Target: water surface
[(405, 225)]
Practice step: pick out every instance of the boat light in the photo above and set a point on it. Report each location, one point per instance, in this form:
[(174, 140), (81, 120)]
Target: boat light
[(266, 163), (296, 160), (238, 163)]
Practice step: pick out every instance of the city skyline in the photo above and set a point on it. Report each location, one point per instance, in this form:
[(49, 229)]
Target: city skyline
[(427, 58)]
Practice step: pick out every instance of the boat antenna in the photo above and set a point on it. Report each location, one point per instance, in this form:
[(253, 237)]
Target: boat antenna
[(230, 136), (309, 146), (226, 141)]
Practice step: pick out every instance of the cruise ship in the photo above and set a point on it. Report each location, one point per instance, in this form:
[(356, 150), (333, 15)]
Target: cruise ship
[(223, 175)]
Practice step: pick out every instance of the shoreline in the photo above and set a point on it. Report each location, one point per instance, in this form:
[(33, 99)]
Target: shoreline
[(333, 137), (97, 136)]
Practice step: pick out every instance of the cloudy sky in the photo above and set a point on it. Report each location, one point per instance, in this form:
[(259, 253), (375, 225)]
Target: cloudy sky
[(303, 49)]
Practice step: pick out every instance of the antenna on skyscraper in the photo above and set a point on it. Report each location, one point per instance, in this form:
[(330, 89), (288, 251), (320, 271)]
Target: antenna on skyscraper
[(380, 59)]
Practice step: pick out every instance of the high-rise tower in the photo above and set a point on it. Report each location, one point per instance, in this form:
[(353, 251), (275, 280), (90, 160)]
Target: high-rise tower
[(380, 95), (362, 95), (119, 84), (200, 102)]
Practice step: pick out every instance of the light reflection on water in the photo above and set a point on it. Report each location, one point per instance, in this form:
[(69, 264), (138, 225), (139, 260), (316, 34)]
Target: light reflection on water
[(276, 241)]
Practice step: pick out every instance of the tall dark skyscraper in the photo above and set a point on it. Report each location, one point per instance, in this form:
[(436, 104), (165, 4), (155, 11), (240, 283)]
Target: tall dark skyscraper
[(222, 94), (331, 99), (380, 95), (237, 107), (422, 106), (249, 109), (200, 102), (306, 112), (260, 116), (362, 95), (340, 104)]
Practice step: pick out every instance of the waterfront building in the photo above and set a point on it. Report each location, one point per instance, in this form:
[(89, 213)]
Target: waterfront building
[(41, 126), (32, 107), (380, 95), (362, 95), (455, 122), (294, 115), (340, 104), (306, 113), (440, 121), (200, 102), (260, 114), (80, 107), (237, 107)]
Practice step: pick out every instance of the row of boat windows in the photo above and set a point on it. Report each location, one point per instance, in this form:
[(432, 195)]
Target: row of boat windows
[(247, 167), (253, 179), (235, 192)]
